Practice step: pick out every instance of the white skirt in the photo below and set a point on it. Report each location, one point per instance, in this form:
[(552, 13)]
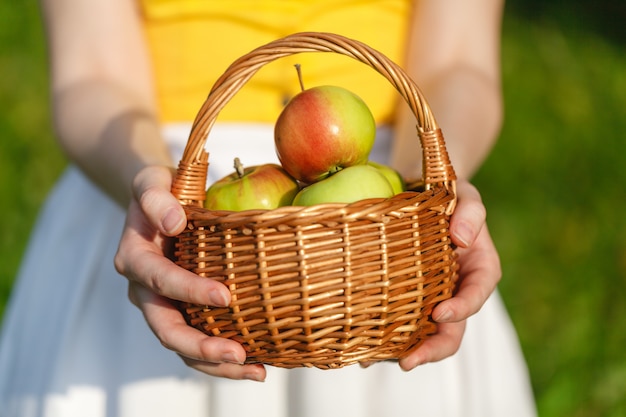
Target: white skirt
[(72, 345)]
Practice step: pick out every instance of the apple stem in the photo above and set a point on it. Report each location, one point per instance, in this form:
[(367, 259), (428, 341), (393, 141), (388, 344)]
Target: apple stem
[(299, 71), (239, 167)]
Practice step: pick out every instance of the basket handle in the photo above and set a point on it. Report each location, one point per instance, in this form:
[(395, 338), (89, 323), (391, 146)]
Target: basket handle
[(189, 183)]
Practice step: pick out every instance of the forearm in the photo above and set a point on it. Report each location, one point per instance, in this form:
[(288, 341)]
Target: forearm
[(109, 132), (453, 54), (103, 98), (468, 108)]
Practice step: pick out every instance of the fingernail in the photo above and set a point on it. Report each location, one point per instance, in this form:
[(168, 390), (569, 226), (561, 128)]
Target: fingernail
[(232, 357), (172, 220), (464, 234), (444, 316), (253, 376), (218, 298), (417, 361)]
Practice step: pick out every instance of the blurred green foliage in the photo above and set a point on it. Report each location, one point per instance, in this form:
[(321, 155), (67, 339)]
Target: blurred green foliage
[(30, 160), (603, 17), (555, 187)]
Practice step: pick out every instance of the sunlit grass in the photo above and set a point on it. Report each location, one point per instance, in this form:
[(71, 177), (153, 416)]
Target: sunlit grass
[(29, 158), (555, 186)]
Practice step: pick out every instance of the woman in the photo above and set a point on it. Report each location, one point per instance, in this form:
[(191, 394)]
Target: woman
[(126, 81)]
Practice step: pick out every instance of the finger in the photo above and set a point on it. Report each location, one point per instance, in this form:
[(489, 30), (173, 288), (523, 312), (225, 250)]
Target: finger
[(469, 216), (165, 278), (151, 188), (444, 343), (253, 372), (479, 272), (214, 355), (172, 330), (142, 262)]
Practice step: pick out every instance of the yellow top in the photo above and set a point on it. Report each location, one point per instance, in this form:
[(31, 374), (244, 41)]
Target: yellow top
[(192, 42)]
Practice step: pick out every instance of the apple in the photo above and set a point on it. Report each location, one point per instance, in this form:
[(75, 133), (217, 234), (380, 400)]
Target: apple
[(265, 186), (322, 130), (395, 179), (351, 184)]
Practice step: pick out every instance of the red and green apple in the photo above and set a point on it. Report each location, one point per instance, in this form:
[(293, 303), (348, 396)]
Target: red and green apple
[(322, 130), (266, 186)]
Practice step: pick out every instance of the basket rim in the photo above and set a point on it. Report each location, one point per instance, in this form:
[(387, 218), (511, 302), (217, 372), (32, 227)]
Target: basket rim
[(189, 182)]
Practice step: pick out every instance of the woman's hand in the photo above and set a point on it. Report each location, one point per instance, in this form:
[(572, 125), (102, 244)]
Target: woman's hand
[(479, 274), (154, 215)]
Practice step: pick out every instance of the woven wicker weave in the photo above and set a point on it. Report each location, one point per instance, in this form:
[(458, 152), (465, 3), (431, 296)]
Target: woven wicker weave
[(328, 285)]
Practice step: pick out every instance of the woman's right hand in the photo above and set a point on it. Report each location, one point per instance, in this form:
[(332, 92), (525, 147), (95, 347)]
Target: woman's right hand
[(153, 217)]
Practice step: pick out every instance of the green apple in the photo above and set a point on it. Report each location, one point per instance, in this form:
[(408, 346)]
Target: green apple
[(395, 179), (322, 130), (265, 186), (351, 184)]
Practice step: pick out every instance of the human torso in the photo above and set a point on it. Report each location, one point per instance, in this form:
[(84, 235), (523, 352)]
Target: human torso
[(193, 41)]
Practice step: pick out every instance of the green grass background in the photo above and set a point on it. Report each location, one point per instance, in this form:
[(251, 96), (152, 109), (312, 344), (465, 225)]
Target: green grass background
[(555, 187)]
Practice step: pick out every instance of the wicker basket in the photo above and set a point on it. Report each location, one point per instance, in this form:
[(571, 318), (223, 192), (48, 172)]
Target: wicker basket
[(328, 285)]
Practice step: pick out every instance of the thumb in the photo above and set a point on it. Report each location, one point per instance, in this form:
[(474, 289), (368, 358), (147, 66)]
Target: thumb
[(151, 190), (469, 216)]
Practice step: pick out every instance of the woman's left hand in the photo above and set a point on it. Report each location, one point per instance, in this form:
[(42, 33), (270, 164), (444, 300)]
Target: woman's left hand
[(479, 275)]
